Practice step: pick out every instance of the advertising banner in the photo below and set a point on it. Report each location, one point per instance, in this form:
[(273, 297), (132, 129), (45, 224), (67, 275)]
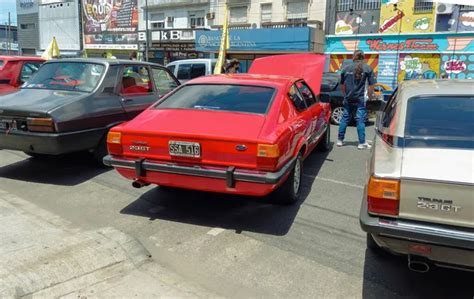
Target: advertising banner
[(110, 24), (405, 18)]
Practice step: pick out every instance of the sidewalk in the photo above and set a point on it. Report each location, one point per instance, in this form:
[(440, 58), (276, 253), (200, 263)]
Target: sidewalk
[(45, 256)]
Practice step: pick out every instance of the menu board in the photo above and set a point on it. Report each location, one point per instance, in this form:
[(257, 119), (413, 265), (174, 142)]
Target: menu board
[(110, 24)]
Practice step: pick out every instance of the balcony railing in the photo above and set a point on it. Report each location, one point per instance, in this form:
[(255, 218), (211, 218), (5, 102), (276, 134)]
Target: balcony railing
[(317, 24), (172, 3)]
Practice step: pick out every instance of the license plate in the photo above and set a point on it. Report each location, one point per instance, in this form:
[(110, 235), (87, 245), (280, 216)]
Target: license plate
[(185, 149)]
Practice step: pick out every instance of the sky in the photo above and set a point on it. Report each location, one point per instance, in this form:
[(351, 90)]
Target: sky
[(5, 7)]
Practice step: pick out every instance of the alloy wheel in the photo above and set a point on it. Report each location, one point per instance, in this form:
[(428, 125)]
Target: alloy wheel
[(297, 176), (337, 115)]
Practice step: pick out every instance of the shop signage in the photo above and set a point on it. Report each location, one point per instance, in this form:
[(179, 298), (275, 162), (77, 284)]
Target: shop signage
[(174, 46), (177, 35), (26, 3), (343, 28), (454, 66), (410, 44), (391, 22)]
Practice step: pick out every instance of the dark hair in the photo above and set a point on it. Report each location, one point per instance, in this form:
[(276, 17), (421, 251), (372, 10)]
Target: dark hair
[(133, 55), (358, 58)]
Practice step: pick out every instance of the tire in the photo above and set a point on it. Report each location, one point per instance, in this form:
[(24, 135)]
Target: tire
[(325, 144), (336, 115), (100, 152), (290, 191)]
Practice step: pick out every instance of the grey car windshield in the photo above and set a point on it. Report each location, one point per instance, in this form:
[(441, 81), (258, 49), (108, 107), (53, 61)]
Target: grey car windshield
[(67, 76), (440, 121), (236, 98)]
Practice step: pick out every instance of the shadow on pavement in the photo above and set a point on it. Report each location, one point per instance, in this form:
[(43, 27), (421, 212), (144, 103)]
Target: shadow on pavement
[(239, 213), (392, 274), (67, 170)]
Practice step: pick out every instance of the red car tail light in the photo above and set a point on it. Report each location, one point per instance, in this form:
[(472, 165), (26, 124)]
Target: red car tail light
[(114, 143), (383, 196), (40, 124), (268, 150)]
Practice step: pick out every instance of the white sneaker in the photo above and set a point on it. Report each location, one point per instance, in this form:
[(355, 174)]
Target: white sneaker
[(364, 146), (339, 143)]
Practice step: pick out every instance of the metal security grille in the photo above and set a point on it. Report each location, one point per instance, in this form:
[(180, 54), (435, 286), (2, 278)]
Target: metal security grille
[(347, 5), (344, 5), (423, 6), (466, 7)]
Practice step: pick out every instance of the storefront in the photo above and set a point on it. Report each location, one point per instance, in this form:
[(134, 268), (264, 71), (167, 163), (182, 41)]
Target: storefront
[(167, 45), (249, 44), (401, 57)]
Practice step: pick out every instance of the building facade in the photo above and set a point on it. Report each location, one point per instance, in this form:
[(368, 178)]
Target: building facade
[(402, 39), (28, 26), (8, 40)]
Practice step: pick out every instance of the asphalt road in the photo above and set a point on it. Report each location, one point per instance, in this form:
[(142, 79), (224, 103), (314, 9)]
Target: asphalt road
[(239, 246)]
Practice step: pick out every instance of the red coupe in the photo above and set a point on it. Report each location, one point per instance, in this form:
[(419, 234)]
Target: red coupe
[(15, 70), (244, 133)]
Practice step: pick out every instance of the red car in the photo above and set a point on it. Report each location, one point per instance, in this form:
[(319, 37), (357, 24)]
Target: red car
[(15, 70), (243, 134)]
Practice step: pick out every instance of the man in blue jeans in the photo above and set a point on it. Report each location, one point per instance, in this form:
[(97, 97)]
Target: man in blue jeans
[(355, 78)]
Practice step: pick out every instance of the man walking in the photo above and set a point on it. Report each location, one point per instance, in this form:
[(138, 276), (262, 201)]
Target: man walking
[(355, 78)]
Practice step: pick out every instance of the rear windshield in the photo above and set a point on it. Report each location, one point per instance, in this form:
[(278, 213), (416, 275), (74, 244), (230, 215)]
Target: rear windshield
[(236, 98), (440, 121)]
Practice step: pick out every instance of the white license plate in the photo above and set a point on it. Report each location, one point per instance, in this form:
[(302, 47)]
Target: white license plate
[(184, 149)]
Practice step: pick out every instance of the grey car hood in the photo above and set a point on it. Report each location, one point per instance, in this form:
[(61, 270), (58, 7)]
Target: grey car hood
[(37, 100)]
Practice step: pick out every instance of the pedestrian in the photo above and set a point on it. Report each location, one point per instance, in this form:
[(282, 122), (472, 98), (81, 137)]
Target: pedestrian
[(355, 78), (133, 55), (232, 67)]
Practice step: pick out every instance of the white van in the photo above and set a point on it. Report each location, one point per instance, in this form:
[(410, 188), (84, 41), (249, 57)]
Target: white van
[(188, 69)]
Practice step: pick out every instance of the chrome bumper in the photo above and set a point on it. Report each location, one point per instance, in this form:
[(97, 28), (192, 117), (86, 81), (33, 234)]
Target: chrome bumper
[(230, 174)]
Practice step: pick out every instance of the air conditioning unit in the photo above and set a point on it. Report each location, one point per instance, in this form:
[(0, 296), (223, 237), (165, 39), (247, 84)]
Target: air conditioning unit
[(170, 19), (444, 8), (210, 16)]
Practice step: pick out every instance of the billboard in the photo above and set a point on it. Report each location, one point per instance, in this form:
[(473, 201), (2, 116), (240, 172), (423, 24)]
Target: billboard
[(110, 24)]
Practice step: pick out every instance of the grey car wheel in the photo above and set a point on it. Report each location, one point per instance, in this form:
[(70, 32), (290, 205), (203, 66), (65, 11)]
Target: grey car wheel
[(336, 115)]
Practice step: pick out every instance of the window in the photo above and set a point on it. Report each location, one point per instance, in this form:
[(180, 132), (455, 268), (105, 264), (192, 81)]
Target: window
[(221, 97), (157, 20), (390, 110), (366, 4), (296, 98), (171, 68), (28, 26), (238, 14), (136, 80), (164, 82), (28, 69), (196, 19), (266, 12), (440, 121), (157, 25), (466, 7), (67, 76), (344, 5), (306, 93), (297, 11), (190, 71), (423, 6)]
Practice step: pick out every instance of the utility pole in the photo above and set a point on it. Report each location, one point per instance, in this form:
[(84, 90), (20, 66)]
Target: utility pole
[(8, 34), (146, 29)]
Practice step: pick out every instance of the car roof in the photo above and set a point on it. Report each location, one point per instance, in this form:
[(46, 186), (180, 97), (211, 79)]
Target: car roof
[(20, 58), (192, 60), (245, 79), (104, 61), (414, 88)]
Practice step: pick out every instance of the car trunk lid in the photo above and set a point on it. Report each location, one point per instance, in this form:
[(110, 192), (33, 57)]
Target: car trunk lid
[(437, 185), (223, 138)]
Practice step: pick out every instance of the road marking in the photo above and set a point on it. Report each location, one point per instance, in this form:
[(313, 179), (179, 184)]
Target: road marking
[(334, 181), (215, 231)]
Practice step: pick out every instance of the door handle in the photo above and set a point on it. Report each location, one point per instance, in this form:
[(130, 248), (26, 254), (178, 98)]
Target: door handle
[(126, 100)]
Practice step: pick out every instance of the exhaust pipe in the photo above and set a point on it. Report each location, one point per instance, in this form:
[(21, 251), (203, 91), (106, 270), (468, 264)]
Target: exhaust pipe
[(418, 264), (139, 184)]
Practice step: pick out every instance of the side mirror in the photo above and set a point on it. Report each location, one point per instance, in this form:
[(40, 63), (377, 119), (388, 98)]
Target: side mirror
[(375, 105)]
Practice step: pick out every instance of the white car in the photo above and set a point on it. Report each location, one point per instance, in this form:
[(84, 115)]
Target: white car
[(188, 69), (419, 198)]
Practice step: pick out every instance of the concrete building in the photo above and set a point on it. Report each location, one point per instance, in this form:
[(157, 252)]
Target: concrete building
[(28, 26), (8, 40)]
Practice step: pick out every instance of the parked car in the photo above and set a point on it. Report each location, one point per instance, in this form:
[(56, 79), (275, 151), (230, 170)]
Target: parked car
[(69, 105), (242, 134), (331, 91), (188, 69), (419, 197), (16, 70)]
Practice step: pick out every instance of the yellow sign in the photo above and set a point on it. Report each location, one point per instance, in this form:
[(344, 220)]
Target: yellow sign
[(402, 16), (418, 66)]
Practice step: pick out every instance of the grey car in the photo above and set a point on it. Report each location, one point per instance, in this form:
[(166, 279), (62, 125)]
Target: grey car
[(69, 105), (419, 197)]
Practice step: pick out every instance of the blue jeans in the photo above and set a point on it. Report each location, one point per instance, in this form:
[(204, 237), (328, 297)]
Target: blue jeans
[(361, 115)]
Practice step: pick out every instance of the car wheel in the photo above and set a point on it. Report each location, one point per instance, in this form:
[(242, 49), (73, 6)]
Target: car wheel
[(100, 152), (336, 115), (325, 144), (290, 191)]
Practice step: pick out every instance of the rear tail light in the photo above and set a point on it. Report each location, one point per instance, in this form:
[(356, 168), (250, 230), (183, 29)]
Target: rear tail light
[(383, 196), (268, 151), (40, 124), (114, 143)]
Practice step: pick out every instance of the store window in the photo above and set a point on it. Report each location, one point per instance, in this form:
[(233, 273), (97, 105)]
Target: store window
[(423, 6), (266, 12), (297, 11), (157, 20), (196, 19), (238, 14)]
